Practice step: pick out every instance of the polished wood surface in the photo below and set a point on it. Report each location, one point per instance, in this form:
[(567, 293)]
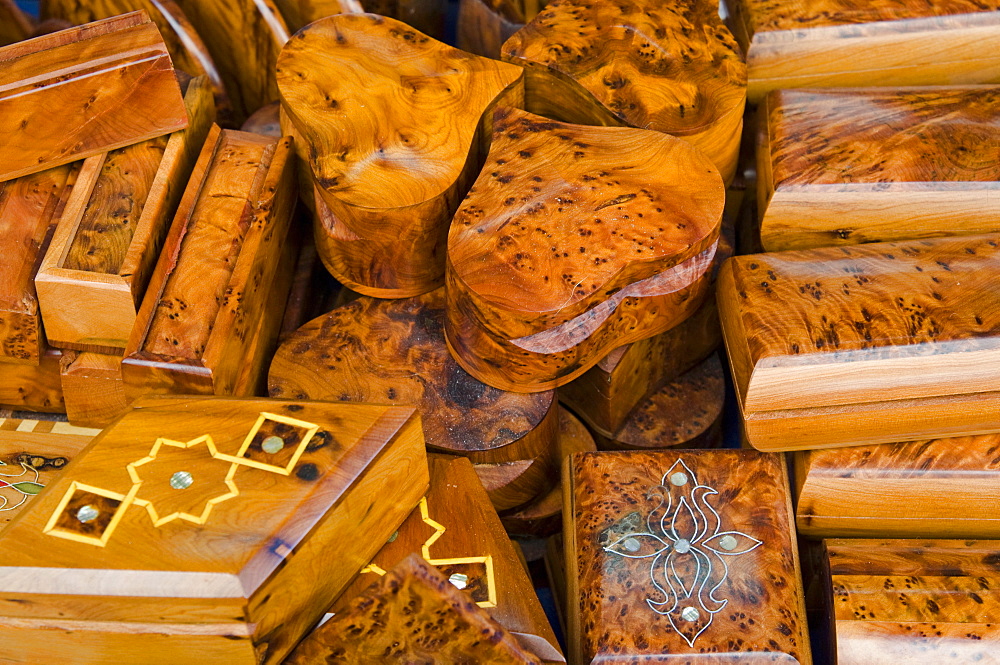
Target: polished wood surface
[(863, 344), (299, 13), (265, 121), (941, 488), (110, 83), (412, 614), (682, 556), (573, 241), (209, 291), (833, 43), (908, 601), (33, 387), (484, 25), (456, 530), (393, 352), (93, 388), (392, 124), (94, 273), (30, 207), (843, 167), (15, 25), (187, 50), (670, 68), (233, 567)]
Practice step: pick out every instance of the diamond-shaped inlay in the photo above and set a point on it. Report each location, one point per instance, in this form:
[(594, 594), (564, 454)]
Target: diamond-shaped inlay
[(274, 444), (88, 514)]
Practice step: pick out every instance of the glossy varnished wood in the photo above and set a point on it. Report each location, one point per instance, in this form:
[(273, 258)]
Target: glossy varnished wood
[(654, 534), (93, 388), (797, 44), (909, 601), (242, 571), (670, 68), (33, 387), (842, 167), (573, 241), (94, 273), (391, 123), (412, 614), (110, 83), (300, 13), (864, 344), (484, 25)]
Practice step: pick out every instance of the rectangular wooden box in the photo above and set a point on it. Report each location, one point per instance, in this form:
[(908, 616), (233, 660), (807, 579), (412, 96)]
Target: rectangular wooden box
[(83, 91), (942, 488), (913, 601), (95, 271), (33, 387), (849, 166), (839, 43), (865, 344), (208, 296), (671, 556), (206, 530)]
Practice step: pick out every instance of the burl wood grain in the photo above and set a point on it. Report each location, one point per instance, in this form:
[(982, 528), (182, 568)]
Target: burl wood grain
[(896, 601), (393, 125), (30, 207), (411, 615), (842, 167), (110, 83), (248, 583), (393, 352), (845, 333), (941, 488), (613, 589), (573, 241), (832, 43), (670, 68), (33, 387)]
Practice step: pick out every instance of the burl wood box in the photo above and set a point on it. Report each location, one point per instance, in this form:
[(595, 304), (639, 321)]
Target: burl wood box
[(206, 530), (864, 344), (830, 43), (682, 557), (848, 166), (892, 602)]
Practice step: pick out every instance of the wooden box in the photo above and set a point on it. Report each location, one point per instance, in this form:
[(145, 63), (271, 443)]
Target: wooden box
[(913, 601), (843, 167), (864, 344), (206, 530), (941, 488), (674, 555), (107, 241), (833, 43), (86, 90), (209, 294), (33, 387)]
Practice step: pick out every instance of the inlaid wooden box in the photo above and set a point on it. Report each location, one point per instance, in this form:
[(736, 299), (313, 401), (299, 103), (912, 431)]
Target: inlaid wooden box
[(848, 166), (672, 556), (864, 344), (832, 43), (206, 530), (913, 601)]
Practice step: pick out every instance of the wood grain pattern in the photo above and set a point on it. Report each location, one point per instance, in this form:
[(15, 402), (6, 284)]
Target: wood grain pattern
[(484, 25), (111, 83), (393, 352), (94, 273), (243, 583), (393, 125), (573, 241), (412, 615), (15, 25), (30, 207), (187, 50), (33, 387), (834, 43), (635, 561), (896, 601), (826, 343), (670, 68), (457, 502), (300, 13), (209, 292), (842, 167), (93, 388), (941, 488), (265, 121)]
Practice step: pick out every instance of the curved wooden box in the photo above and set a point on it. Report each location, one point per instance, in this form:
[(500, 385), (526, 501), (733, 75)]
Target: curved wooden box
[(843, 167), (393, 126), (484, 25), (536, 295), (672, 68), (875, 343), (835, 43)]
